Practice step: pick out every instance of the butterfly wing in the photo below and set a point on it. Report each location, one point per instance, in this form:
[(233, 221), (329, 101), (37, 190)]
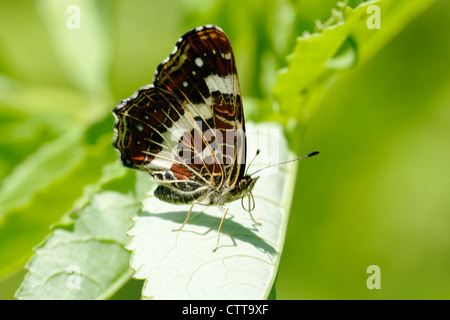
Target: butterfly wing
[(201, 72), (187, 129)]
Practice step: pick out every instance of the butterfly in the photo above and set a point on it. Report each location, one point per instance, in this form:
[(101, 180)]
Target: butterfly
[(187, 128)]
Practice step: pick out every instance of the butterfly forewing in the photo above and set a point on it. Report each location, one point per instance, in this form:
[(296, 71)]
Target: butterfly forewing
[(202, 73)]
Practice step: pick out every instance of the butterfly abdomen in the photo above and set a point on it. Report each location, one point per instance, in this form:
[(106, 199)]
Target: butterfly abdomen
[(177, 196)]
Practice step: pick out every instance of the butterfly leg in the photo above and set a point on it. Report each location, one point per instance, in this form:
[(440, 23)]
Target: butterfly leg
[(220, 227), (254, 221), (188, 215)]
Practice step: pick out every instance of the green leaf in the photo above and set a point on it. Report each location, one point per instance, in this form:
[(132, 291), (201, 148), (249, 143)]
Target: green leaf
[(42, 189), (54, 106), (87, 261), (51, 161), (344, 41), (182, 265)]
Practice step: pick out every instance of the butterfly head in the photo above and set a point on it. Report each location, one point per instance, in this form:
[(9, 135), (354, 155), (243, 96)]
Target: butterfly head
[(241, 189), (244, 188), (247, 183)]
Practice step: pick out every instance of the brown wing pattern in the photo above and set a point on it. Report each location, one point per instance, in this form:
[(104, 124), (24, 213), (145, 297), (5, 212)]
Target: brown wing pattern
[(144, 124), (187, 129), (201, 72)]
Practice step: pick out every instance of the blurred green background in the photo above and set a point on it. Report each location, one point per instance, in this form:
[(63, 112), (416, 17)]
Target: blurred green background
[(377, 194)]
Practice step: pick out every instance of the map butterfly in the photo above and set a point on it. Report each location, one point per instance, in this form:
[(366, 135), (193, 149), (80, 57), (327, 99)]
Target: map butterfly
[(187, 128)]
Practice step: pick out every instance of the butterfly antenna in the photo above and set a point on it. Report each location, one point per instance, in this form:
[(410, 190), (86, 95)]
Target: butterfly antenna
[(257, 152), (296, 159)]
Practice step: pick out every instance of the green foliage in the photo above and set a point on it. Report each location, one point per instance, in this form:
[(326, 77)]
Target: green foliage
[(342, 42), (59, 170), (87, 260)]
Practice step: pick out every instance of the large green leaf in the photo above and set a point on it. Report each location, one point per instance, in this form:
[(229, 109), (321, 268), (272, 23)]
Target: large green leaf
[(182, 265), (87, 260)]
